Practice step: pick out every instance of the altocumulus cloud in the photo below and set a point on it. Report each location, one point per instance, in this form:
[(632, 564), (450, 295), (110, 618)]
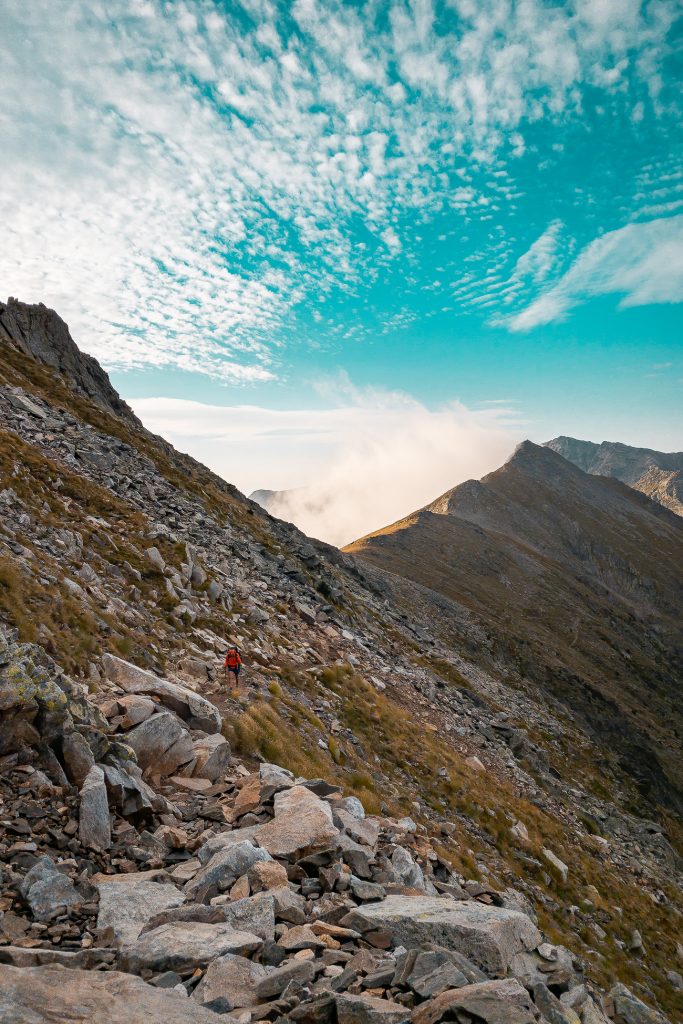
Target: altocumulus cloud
[(178, 178), (367, 458)]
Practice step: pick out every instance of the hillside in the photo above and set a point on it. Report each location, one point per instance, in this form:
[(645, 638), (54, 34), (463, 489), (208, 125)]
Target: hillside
[(576, 581), (657, 474), (432, 764)]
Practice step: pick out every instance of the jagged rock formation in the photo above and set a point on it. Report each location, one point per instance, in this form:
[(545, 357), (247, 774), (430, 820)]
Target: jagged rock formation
[(146, 833), (657, 474), (41, 333)]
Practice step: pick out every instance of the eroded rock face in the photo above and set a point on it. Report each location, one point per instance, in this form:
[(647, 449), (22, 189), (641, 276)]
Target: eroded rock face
[(94, 825), (45, 995), (490, 936), (224, 868)]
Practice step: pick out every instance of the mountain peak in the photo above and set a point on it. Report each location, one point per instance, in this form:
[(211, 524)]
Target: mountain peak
[(39, 332), (659, 475)]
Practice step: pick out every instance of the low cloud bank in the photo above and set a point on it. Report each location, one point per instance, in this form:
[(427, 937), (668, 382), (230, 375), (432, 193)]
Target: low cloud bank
[(367, 459)]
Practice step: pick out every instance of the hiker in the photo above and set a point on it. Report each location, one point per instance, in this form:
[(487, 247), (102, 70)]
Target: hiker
[(233, 664)]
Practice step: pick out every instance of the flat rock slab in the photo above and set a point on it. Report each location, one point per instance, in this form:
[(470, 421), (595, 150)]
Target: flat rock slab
[(197, 711), (185, 945), (128, 903), (492, 1002), (302, 822), (233, 978), (369, 1010), (489, 936), (46, 995)]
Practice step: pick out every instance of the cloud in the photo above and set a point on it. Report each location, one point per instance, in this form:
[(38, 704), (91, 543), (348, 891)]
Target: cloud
[(641, 262), (364, 459), (178, 179)]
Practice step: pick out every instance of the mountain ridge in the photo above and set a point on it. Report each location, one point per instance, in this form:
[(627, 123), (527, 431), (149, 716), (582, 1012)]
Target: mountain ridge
[(659, 475), (123, 561)]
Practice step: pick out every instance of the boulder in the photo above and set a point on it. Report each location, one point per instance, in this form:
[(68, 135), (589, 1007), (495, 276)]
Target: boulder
[(490, 1002), (212, 755), (225, 839), (302, 822), (135, 709), (407, 872), (47, 891), (161, 743), (369, 1010), (628, 1009), (489, 936), (195, 710), (45, 995), (186, 945), (223, 869), (302, 971), (127, 903), (128, 791), (254, 914), (233, 978), (94, 823), (267, 874), (78, 757)]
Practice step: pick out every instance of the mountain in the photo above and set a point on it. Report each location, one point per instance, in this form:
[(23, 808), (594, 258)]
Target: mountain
[(657, 474), (391, 772), (574, 579)]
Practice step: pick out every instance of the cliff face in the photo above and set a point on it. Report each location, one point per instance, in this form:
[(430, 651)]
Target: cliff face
[(41, 333), (657, 474)]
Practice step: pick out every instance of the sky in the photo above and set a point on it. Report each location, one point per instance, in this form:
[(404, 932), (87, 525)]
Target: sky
[(296, 233)]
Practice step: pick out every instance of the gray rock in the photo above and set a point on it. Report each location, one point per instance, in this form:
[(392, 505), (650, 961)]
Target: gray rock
[(407, 872), (127, 903), (225, 839), (369, 1010), (78, 757), (277, 981), (45, 995), (629, 1009), (490, 936), (94, 823), (233, 978), (195, 710), (186, 945), (223, 870), (254, 914), (302, 822), (128, 792), (551, 1007), (155, 558), (47, 891), (161, 744), (490, 1002), (213, 756)]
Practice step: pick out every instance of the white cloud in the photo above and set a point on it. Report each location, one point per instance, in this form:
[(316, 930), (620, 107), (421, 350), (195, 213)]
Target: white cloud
[(641, 262), (159, 158), (364, 459)]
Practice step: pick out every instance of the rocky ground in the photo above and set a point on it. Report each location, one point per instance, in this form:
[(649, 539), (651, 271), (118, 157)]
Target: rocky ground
[(147, 871), (538, 885)]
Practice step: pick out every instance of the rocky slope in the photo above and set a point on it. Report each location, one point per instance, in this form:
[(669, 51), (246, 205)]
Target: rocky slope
[(657, 474), (150, 831)]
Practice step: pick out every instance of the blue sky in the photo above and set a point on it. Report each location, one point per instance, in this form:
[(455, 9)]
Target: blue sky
[(297, 206)]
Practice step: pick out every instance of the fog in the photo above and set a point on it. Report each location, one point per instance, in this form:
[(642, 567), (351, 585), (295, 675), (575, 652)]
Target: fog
[(365, 460)]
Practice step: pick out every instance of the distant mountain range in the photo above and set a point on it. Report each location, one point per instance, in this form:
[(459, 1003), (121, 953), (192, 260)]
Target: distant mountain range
[(575, 582), (657, 474)]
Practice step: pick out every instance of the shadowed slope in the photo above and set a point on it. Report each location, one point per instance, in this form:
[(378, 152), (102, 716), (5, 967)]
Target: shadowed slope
[(576, 579)]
